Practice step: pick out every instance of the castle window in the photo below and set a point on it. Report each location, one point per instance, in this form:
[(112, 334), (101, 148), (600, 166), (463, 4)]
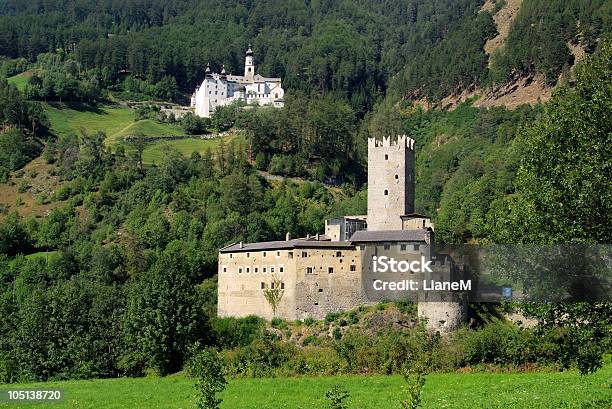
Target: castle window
[(264, 253), (416, 247), (386, 192), (338, 254), (256, 270), (387, 246), (248, 270), (231, 255), (239, 270), (403, 247), (330, 270), (281, 269), (320, 290), (272, 285), (386, 157), (308, 270), (423, 223), (249, 69), (262, 285), (248, 255), (290, 254), (353, 267), (263, 270), (396, 176), (316, 303), (304, 254), (282, 286), (271, 269), (278, 254), (224, 269)]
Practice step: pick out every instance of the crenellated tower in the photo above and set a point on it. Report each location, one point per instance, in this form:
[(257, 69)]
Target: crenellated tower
[(390, 181)]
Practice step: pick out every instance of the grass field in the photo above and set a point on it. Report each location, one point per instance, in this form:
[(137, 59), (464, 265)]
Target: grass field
[(116, 122), (20, 80), (155, 151), (475, 390)]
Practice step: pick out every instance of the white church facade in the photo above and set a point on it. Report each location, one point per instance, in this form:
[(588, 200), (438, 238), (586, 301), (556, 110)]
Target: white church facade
[(219, 89)]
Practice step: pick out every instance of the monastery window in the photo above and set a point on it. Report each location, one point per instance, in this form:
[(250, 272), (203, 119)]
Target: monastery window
[(264, 253), (263, 269), (353, 267), (290, 254), (304, 254), (231, 255), (402, 247), (387, 246), (316, 303), (248, 270), (272, 285), (281, 269), (271, 269), (416, 247), (386, 157), (320, 290), (224, 269), (282, 286), (248, 255), (256, 270), (249, 69), (396, 176), (278, 254), (330, 270), (239, 270), (386, 192), (275, 95), (308, 270), (338, 254), (262, 285)]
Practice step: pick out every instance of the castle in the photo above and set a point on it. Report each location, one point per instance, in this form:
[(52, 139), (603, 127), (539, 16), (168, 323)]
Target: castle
[(219, 89), (333, 272)]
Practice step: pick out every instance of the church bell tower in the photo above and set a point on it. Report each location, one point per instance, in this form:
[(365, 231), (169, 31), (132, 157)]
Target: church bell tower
[(249, 66)]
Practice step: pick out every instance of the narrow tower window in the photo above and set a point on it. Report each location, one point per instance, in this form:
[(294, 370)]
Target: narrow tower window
[(386, 192), (386, 157)]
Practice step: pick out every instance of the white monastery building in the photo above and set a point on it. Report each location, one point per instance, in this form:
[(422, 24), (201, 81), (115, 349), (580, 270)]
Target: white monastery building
[(223, 89)]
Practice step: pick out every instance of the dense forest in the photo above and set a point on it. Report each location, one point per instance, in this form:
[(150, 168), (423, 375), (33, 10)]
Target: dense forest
[(118, 278)]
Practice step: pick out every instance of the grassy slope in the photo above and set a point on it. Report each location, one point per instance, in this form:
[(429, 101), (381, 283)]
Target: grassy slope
[(20, 80), (116, 122), (478, 390), (155, 151)]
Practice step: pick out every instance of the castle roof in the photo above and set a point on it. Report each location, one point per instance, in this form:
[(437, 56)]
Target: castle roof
[(302, 243), (364, 236)]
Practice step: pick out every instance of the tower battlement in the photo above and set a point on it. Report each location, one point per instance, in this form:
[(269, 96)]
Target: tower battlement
[(402, 141)]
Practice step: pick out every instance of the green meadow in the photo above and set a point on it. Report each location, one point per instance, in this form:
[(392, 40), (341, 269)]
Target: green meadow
[(20, 80), (452, 390), (116, 122), (153, 152)]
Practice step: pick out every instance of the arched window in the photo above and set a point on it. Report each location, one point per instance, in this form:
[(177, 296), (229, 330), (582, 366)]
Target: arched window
[(386, 192)]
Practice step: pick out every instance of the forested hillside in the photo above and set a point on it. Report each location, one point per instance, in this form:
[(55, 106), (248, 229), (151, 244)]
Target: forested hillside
[(114, 273)]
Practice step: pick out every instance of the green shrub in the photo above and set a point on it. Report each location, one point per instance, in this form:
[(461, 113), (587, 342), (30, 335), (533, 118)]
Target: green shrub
[(208, 370), (336, 398), (331, 317), (235, 332)]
